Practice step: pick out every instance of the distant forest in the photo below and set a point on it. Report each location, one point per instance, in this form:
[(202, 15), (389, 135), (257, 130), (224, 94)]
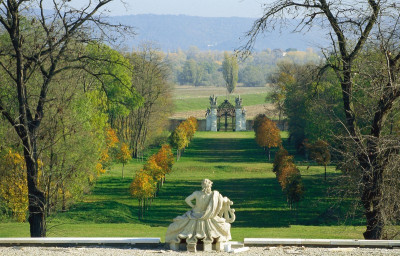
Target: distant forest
[(204, 68)]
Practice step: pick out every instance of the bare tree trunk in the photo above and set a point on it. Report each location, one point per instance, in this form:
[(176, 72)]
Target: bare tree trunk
[(37, 201)]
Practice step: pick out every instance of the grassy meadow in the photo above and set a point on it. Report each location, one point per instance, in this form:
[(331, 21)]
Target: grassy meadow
[(189, 98), (239, 170)]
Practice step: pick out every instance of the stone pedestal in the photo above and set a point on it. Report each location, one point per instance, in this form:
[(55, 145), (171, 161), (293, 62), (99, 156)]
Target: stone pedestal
[(191, 247), (213, 120), (207, 247), (208, 123)]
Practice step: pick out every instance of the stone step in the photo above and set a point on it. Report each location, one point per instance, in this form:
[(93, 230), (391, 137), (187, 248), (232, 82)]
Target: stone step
[(235, 244)]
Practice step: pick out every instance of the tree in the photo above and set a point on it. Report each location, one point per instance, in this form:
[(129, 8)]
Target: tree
[(319, 152), (268, 136), (70, 142), (252, 76), (165, 159), (112, 73), (149, 79), (13, 187), (124, 156), (142, 187), (375, 28), (278, 159), (32, 57), (258, 120), (288, 176), (192, 73), (230, 71), (155, 171)]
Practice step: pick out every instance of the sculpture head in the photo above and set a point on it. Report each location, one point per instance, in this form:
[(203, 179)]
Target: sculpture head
[(206, 185)]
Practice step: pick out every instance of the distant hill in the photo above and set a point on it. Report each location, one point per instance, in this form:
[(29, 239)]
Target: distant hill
[(171, 32)]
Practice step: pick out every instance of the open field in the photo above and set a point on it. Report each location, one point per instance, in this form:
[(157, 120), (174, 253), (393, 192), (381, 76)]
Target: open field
[(184, 91), (239, 170), (194, 101)]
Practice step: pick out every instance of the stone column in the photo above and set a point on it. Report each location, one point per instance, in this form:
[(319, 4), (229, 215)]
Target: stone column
[(239, 125), (244, 123), (213, 119)]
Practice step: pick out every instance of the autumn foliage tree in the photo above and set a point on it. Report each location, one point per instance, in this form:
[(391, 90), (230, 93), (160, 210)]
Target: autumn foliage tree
[(13, 186), (319, 152), (288, 176), (268, 135), (124, 156), (148, 180), (154, 170), (182, 135), (165, 159), (142, 188)]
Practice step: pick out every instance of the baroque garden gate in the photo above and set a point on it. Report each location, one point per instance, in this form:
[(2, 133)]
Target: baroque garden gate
[(225, 117), (225, 110)]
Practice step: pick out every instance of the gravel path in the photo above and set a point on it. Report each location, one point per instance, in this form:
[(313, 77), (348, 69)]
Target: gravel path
[(272, 251)]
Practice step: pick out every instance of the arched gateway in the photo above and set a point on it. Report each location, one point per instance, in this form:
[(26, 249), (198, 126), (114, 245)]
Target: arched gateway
[(225, 117)]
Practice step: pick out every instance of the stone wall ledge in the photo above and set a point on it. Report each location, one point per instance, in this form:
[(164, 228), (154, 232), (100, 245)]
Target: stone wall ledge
[(82, 241), (322, 242)]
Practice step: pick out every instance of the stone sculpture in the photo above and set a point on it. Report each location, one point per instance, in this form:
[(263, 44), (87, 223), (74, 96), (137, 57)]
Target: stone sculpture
[(238, 102), (213, 101), (209, 221)]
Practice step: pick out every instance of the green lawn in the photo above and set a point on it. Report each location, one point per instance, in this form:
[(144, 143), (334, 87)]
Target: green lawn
[(202, 103), (239, 170)]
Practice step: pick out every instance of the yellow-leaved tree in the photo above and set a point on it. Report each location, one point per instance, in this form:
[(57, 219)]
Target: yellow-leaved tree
[(13, 184), (268, 136), (124, 155), (165, 159), (154, 170), (142, 188)]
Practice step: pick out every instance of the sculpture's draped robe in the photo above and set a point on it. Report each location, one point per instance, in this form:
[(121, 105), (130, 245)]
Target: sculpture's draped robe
[(207, 226)]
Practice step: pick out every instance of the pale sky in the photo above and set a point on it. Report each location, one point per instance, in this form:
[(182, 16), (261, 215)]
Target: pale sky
[(203, 8)]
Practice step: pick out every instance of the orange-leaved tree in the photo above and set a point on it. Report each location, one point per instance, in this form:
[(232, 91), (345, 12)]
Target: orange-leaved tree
[(142, 188), (279, 158), (13, 184), (193, 121), (288, 176), (165, 159), (154, 170), (123, 156), (108, 152), (268, 136), (319, 152)]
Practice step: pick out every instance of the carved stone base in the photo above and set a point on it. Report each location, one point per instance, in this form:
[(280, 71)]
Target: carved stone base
[(191, 247), (174, 246), (207, 247), (219, 246)]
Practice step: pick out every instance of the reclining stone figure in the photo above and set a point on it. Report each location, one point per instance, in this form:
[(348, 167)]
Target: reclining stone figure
[(209, 221)]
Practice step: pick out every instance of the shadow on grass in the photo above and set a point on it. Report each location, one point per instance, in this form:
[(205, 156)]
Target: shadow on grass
[(231, 150), (259, 202)]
